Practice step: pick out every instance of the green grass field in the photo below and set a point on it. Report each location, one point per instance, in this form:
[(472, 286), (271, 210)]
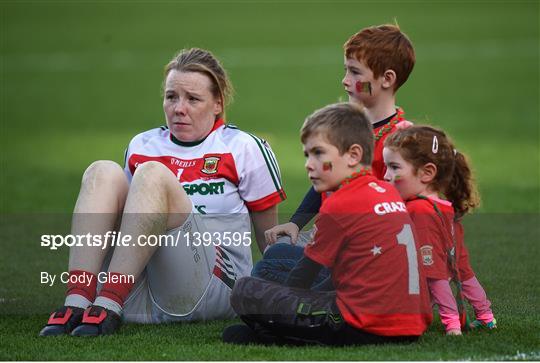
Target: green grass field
[(79, 79)]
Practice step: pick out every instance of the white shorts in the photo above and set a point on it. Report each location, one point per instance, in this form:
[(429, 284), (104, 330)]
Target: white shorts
[(179, 283)]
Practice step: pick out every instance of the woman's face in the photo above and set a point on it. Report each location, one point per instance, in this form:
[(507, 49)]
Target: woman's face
[(189, 105)]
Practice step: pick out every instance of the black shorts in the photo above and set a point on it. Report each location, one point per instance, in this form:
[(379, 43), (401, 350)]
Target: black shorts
[(298, 315)]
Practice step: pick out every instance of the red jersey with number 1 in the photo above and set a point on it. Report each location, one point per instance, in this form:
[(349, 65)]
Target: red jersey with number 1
[(364, 235)]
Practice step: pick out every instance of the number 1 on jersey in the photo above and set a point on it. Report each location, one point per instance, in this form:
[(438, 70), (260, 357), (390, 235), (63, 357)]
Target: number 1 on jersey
[(179, 174), (405, 237)]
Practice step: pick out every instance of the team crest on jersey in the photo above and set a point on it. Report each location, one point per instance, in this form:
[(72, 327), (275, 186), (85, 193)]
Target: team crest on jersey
[(210, 165), (427, 255)]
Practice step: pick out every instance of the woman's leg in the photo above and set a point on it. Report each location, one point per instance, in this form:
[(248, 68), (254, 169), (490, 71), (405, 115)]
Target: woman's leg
[(155, 204), (101, 199)]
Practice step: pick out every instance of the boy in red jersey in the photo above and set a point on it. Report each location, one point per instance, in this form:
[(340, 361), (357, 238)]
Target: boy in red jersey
[(422, 163), (363, 234), (378, 61)]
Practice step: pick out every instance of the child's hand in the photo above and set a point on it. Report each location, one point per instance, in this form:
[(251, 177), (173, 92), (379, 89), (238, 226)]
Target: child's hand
[(289, 229)]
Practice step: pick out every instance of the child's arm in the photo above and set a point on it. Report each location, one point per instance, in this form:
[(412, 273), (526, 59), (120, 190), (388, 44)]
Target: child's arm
[(308, 208), (306, 211), (442, 296)]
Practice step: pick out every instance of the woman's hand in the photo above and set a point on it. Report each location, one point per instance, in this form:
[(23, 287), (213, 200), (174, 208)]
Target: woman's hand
[(289, 229)]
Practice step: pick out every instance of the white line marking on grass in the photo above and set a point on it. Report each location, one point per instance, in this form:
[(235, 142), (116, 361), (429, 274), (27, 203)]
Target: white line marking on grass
[(523, 356), (5, 300), (518, 356)]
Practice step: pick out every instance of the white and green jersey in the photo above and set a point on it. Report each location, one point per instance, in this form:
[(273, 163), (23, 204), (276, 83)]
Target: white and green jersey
[(226, 175)]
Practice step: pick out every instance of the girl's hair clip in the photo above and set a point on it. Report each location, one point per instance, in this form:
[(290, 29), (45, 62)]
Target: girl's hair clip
[(435, 145)]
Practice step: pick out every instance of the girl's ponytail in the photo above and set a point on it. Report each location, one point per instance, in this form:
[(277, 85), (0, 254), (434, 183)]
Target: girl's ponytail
[(461, 190), (420, 145)]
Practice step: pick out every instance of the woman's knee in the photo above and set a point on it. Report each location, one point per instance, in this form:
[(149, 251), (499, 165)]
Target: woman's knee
[(155, 174), (151, 169), (104, 172), (156, 179)]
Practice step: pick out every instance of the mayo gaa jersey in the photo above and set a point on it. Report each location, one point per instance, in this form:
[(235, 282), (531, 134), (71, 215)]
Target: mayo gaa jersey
[(226, 175), (364, 234)]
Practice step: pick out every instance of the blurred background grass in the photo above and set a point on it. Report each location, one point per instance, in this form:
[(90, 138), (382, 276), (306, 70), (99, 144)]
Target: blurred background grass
[(80, 78)]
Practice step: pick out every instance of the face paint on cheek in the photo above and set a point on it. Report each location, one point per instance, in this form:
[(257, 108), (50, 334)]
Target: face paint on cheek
[(363, 87), (397, 179), (327, 166)]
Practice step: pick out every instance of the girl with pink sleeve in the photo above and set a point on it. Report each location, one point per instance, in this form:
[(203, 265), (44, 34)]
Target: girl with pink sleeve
[(424, 166)]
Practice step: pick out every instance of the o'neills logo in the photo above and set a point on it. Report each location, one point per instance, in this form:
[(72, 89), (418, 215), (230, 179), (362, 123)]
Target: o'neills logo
[(210, 165), (427, 255)]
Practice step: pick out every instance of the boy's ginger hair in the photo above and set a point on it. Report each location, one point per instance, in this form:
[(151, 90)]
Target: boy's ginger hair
[(381, 48)]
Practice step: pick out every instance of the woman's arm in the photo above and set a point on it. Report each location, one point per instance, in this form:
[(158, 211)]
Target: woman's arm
[(263, 221)]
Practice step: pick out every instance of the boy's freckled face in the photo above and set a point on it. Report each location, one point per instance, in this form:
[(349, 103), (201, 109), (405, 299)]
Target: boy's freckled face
[(401, 174), (357, 71), (326, 168)]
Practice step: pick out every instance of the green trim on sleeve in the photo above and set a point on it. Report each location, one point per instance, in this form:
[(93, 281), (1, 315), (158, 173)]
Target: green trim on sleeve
[(273, 173)]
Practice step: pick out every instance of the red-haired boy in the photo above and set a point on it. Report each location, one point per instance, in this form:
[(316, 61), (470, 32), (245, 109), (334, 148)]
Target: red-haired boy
[(378, 61)]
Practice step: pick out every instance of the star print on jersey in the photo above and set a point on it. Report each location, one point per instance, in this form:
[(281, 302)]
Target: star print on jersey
[(376, 250)]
